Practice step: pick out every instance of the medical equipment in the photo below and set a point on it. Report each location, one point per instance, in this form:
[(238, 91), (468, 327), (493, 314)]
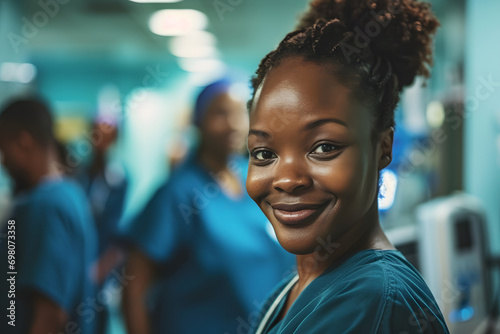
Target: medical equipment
[(447, 246)]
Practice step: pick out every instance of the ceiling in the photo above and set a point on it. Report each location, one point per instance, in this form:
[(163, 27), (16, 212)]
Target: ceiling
[(86, 44), (117, 30)]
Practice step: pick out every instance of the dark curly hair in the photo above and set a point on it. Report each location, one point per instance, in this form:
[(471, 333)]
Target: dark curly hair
[(376, 47)]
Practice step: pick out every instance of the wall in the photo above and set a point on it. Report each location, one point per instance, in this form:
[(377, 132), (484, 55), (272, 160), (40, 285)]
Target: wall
[(482, 117)]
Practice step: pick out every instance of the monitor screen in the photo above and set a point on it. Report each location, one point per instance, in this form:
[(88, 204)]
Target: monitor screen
[(463, 233)]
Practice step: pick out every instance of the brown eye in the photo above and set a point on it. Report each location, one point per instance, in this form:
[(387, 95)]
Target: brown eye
[(324, 148), (264, 155)]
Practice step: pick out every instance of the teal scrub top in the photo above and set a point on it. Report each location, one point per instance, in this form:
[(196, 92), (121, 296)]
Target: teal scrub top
[(372, 292), (55, 245), (106, 193), (218, 256)]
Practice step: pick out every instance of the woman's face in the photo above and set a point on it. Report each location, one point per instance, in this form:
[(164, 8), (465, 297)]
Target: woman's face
[(224, 124), (313, 167)]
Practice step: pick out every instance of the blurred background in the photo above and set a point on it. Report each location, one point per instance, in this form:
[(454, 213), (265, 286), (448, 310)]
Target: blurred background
[(142, 62)]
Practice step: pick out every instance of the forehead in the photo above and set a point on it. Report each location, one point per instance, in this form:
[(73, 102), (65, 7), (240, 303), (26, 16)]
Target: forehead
[(226, 100), (308, 90)]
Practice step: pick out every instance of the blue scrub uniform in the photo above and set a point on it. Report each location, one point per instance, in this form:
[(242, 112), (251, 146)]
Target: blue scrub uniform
[(372, 292), (55, 244), (218, 255), (106, 193)]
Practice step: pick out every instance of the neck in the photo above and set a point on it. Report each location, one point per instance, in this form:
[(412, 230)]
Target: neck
[(213, 161), (98, 163), (44, 166), (364, 234)]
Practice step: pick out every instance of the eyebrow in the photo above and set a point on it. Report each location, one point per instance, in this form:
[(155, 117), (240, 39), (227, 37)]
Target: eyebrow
[(310, 126), (321, 122), (259, 133)]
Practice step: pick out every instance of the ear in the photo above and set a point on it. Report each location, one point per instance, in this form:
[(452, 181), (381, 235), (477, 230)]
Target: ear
[(385, 144)]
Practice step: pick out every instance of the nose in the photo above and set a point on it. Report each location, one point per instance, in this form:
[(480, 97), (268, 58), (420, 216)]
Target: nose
[(291, 176)]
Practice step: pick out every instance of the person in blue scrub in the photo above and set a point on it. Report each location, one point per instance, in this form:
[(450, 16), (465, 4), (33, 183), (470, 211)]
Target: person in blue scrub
[(49, 242), (204, 256), (105, 185), (321, 130)]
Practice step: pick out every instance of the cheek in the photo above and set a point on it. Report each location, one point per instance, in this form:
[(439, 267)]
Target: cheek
[(341, 175), (239, 121), (213, 126), (347, 177), (220, 125), (258, 183)]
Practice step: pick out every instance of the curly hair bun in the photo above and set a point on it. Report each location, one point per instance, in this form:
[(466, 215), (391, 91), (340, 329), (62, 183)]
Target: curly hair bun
[(399, 30)]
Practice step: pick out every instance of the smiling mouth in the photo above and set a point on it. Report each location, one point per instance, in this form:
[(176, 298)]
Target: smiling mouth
[(295, 214)]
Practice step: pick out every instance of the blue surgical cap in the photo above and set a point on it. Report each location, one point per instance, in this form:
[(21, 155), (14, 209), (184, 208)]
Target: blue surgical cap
[(207, 95)]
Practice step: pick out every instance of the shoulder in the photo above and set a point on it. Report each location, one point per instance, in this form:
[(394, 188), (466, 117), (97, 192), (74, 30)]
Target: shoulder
[(187, 182), (369, 271), (57, 193), (383, 265), (404, 280), (192, 172), (57, 201), (376, 274), (379, 290), (188, 173), (409, 304), (412, 306)]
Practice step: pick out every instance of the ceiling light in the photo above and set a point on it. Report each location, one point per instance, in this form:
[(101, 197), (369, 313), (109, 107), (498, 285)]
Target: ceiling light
[(155, 1), (201, 65), (17, 72), (198, 44), (175, 22)]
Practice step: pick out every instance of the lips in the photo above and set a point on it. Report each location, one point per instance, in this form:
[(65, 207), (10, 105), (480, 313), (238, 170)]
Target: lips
[(296, 213)]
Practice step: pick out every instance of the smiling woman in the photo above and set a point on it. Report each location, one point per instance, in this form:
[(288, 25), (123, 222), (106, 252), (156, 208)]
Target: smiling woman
[(315, 171)]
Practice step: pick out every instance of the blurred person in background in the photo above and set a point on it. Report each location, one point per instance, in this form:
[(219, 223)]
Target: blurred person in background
[(106, 186), (51, 229), (203, 255)]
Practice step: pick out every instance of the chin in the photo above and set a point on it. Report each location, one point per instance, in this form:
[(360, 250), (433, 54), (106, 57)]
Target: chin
[(297, 249), (297, 242)]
